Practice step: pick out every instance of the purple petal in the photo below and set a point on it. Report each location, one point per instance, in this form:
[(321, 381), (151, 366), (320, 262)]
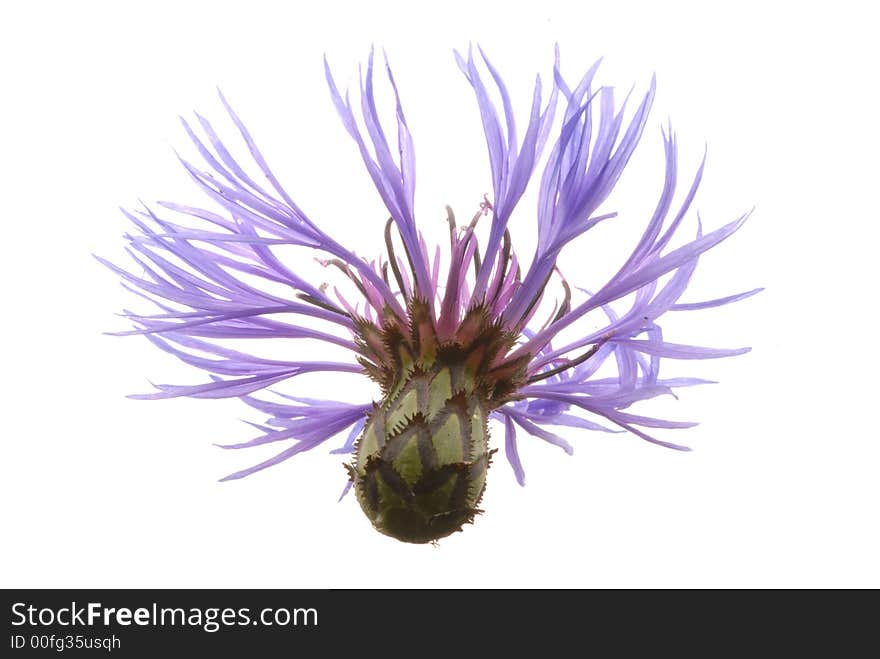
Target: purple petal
[(510, 450), (691, 306), (678, 351)]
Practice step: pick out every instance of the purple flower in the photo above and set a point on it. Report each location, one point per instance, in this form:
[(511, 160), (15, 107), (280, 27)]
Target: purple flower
[(450, 347)]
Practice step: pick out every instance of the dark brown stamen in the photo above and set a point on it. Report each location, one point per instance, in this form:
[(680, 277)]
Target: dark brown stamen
[(342, 265), (538, 295), (506, 249), (392, 258), (305, 297), (566, 302), (560, 369), (450, 217)]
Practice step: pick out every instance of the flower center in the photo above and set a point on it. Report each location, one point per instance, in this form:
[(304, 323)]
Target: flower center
[(420, 466)]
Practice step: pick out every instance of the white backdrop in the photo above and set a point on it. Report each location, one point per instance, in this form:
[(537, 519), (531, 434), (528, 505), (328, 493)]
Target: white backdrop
[(781, 489)]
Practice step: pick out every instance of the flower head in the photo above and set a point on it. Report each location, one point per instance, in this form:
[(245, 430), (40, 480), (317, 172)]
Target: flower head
[(455, 338)]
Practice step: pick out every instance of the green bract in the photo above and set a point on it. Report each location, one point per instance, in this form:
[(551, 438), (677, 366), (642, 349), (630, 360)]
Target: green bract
[(420, 465)]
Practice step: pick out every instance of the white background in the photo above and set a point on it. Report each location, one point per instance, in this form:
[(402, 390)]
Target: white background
[(782, 488)]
